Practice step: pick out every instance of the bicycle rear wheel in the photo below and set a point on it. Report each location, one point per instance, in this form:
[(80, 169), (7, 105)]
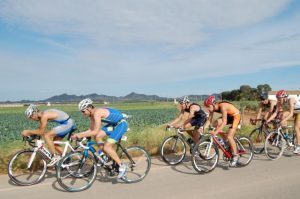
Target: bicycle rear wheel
[(173, 150), (274, 145), (76, 172), (244, 147), (258, 139), (205, 157), (21, 173), (138, 162)]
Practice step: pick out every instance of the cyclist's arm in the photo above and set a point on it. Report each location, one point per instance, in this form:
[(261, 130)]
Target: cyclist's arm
[(95, 126), (273, 116), (271, 110), (42, 128), (292, 102), (259, 112), (178, 119)]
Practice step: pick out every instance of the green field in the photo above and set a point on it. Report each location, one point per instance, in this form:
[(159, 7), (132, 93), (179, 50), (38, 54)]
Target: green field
[(146, 125)]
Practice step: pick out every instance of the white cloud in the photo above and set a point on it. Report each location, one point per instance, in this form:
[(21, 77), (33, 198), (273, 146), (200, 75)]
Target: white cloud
[(168, 22), (125, 43)]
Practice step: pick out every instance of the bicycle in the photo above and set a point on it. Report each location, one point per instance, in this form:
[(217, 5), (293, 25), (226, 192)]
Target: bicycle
[(29, 166), (258, 135), (208, 152), (173, 148), (279, 140), (77, 171)]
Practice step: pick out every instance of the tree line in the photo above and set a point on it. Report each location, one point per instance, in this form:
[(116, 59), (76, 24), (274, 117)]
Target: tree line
[(246, 93)]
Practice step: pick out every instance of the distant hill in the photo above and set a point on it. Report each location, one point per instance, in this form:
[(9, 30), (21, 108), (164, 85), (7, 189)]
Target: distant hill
[(101, 98), (66, 98)]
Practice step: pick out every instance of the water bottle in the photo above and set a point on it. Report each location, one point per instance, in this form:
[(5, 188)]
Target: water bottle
[(103, 156), (286, 136), (221, 141)]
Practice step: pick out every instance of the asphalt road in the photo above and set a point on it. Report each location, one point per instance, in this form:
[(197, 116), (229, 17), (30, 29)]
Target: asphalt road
[(261, 179)]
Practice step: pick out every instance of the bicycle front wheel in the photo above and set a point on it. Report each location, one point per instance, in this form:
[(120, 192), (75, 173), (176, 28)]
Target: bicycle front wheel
[(274, 145), (205, 157), (138, 161), (76, 172), (173, 150), (258, 139), (244, 147), (27, 167)]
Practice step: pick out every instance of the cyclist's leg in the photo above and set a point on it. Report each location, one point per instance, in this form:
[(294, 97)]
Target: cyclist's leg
[(234, 122), (284, 115), (99, 137), (58, 133), (114, 137), (297, 127), (49, 140), (195, 136)]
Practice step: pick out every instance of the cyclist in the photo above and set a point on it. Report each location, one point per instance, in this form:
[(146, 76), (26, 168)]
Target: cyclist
[(230, 116), (266, 105), (65, 126), (115, 128), (196, 118), (293, 110)]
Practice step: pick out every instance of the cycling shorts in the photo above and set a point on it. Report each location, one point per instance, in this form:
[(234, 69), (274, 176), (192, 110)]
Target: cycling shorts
[(115, 132)]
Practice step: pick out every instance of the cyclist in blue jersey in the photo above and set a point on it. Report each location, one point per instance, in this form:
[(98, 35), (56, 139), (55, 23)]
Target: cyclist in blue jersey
[(64, 126), (115, 128)]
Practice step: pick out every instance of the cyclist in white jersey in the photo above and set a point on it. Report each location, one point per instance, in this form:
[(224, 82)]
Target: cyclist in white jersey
[(65, 126), (293, 105)]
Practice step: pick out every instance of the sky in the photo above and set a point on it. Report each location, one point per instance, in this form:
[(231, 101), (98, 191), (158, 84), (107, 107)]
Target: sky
[(164, 47)]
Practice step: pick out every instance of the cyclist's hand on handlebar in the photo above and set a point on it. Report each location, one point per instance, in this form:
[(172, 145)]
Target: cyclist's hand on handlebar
[(253, 121), (75, 137), (214, 133)]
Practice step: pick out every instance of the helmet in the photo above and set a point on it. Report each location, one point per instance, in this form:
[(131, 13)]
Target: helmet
[(84, 104), (209, 101), (263, 96), (30, 110), (281, 94), (183, 99)]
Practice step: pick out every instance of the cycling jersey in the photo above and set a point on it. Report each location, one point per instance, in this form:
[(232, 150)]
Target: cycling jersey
[(114, 116), (297, 106), (199, 118), (233, 114), (266, 107), (116, 125), (65, 123)]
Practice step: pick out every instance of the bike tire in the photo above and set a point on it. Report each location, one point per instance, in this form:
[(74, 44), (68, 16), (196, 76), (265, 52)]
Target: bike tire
[(245, 150), (173, 150), (138, 162), (77, 168), (274, 145), (19, 172), (258, 138), (205, 157)]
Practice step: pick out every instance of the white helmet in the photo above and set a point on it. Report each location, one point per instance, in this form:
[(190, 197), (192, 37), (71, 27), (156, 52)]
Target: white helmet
[(30, 110), (183, 99), (84, 104)]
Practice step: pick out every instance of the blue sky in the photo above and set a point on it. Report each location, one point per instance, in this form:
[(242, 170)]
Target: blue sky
[(170, 48)]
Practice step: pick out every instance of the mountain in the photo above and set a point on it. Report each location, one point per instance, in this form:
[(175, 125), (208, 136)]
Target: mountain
[(101, 98), (65, 98)]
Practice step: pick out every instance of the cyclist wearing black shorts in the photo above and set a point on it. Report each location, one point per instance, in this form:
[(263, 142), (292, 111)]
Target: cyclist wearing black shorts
[(196, 118)]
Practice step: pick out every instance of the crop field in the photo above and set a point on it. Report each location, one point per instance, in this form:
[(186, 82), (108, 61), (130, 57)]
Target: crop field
[(13, 120)]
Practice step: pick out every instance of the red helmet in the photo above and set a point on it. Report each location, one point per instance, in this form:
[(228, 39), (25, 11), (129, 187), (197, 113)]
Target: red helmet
[(209, 101), (281, 94)]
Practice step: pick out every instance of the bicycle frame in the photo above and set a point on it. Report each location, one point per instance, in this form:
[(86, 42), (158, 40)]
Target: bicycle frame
[(89, 147), (227, 153), (46, 153)]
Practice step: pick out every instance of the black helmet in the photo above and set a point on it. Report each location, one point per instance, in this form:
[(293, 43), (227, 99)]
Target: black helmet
[(263, 96)]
